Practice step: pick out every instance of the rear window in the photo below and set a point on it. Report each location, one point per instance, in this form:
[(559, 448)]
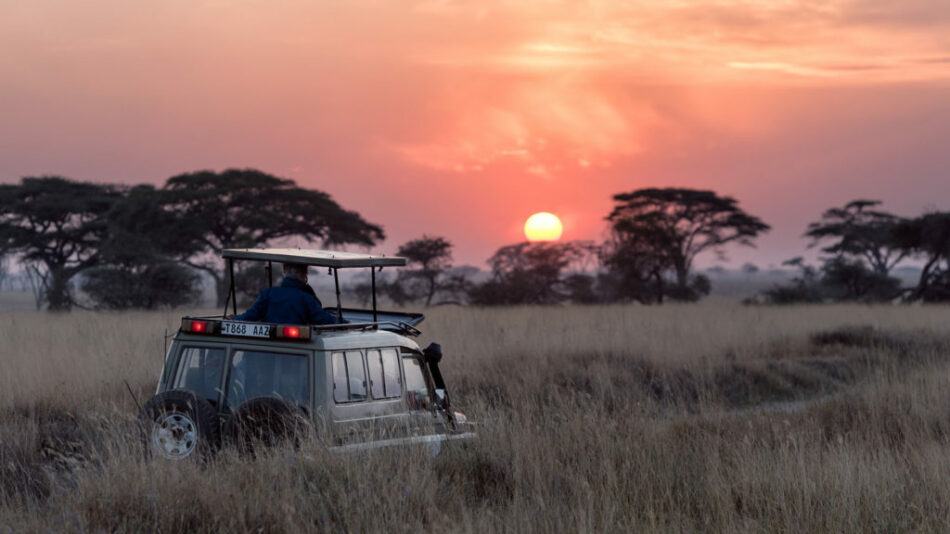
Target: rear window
[(268, 374), (200, 371)]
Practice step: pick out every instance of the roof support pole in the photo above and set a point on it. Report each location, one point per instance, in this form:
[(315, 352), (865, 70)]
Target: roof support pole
[(270, 274), (372, 276), (233, 290), (227, 302), (339, 307)]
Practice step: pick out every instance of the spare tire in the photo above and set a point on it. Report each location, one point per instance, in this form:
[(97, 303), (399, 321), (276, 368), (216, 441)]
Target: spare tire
[(266, 421), (179, 424)]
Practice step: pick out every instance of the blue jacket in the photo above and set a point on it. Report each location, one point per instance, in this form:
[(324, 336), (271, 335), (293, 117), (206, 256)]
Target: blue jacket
[(287, 303)]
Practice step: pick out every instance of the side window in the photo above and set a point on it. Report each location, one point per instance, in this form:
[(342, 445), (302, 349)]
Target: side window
[(349, 376), (268, 374), (374, 360), (391, 373), (341, 391), (356, 374), (417, 392), (383, 373), (199, 370)]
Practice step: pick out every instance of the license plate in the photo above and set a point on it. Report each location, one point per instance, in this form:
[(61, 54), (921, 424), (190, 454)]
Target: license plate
[(245, 329)]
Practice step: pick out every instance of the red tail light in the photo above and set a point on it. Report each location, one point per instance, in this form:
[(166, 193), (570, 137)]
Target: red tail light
[(199, 327), (291, 331)]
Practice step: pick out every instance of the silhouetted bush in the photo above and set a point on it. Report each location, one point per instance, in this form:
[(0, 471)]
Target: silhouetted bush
[(531, 273), (839, 279), (155, 286), (852, 280)]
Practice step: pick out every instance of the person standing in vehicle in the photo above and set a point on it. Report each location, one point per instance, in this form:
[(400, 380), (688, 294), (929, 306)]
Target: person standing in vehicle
[(290, 302)]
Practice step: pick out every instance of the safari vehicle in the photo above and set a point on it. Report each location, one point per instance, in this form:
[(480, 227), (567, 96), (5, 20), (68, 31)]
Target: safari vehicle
[(360, 384)]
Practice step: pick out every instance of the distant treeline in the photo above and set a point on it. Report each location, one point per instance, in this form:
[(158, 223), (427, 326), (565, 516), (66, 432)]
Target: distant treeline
[(656, 234), (862, 246), (144, 246)]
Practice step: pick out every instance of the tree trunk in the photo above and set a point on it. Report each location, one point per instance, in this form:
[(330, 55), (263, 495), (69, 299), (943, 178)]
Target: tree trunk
[(431, 292), (924, 280), (682, 276), (222, 287), (878, 264), (57, 293), (38, 283)]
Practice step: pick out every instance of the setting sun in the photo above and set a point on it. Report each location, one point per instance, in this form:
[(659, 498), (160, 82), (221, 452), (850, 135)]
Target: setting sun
[(543, 226)]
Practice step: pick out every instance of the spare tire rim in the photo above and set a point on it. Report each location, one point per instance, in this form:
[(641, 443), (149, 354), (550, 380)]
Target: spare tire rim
[(174, 435)]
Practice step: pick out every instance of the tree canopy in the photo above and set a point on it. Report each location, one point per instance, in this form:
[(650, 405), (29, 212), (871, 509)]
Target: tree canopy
[(861, 230), (655, 231), (428, 258), (136, 256), (928, 237), (529, 273), (126, 241), (249, 208), (57, 227)]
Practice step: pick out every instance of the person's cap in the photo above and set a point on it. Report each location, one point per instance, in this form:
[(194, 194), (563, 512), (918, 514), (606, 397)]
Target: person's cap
[(289, 265), (296, 267)]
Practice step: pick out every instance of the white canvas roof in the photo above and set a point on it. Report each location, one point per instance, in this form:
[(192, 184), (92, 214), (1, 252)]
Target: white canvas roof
[(322, 258)]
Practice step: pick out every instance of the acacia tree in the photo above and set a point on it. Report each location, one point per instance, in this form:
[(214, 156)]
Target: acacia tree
[(137, 267), (432, 257), (56, 226), (663, 230), (858, 229), (928, 237), (637, 256), (529, 273), (249, 208)]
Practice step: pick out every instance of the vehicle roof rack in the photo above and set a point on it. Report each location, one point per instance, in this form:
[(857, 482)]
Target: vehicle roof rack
[(400, 327), (390, 326), (332, 259), (320, 258)]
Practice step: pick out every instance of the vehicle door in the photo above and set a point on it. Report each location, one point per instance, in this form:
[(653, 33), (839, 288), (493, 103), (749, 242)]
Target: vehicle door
[(367, 395), (268, 371), (420, 396), (198, 368)]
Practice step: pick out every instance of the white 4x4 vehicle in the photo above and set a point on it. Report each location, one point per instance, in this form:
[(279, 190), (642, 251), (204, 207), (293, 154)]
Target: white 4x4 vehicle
[(360, 384)]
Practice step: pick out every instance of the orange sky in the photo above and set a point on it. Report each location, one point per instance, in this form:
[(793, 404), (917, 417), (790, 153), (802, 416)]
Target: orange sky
[(463, 118)]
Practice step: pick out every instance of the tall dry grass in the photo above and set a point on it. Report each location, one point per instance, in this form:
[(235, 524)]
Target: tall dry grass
[(673, 419)]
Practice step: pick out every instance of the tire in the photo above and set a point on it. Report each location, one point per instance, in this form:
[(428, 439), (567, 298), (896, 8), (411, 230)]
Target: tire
[(178, 425), (266, 421)]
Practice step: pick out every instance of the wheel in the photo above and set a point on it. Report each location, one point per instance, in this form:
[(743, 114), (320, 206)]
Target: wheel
[(179, 424), (266, 421)]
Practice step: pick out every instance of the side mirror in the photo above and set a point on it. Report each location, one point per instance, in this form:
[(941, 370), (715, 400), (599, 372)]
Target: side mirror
[(433, 353)]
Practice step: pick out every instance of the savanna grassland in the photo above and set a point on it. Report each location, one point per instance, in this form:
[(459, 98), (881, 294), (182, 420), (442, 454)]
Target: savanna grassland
[(713, 417)]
